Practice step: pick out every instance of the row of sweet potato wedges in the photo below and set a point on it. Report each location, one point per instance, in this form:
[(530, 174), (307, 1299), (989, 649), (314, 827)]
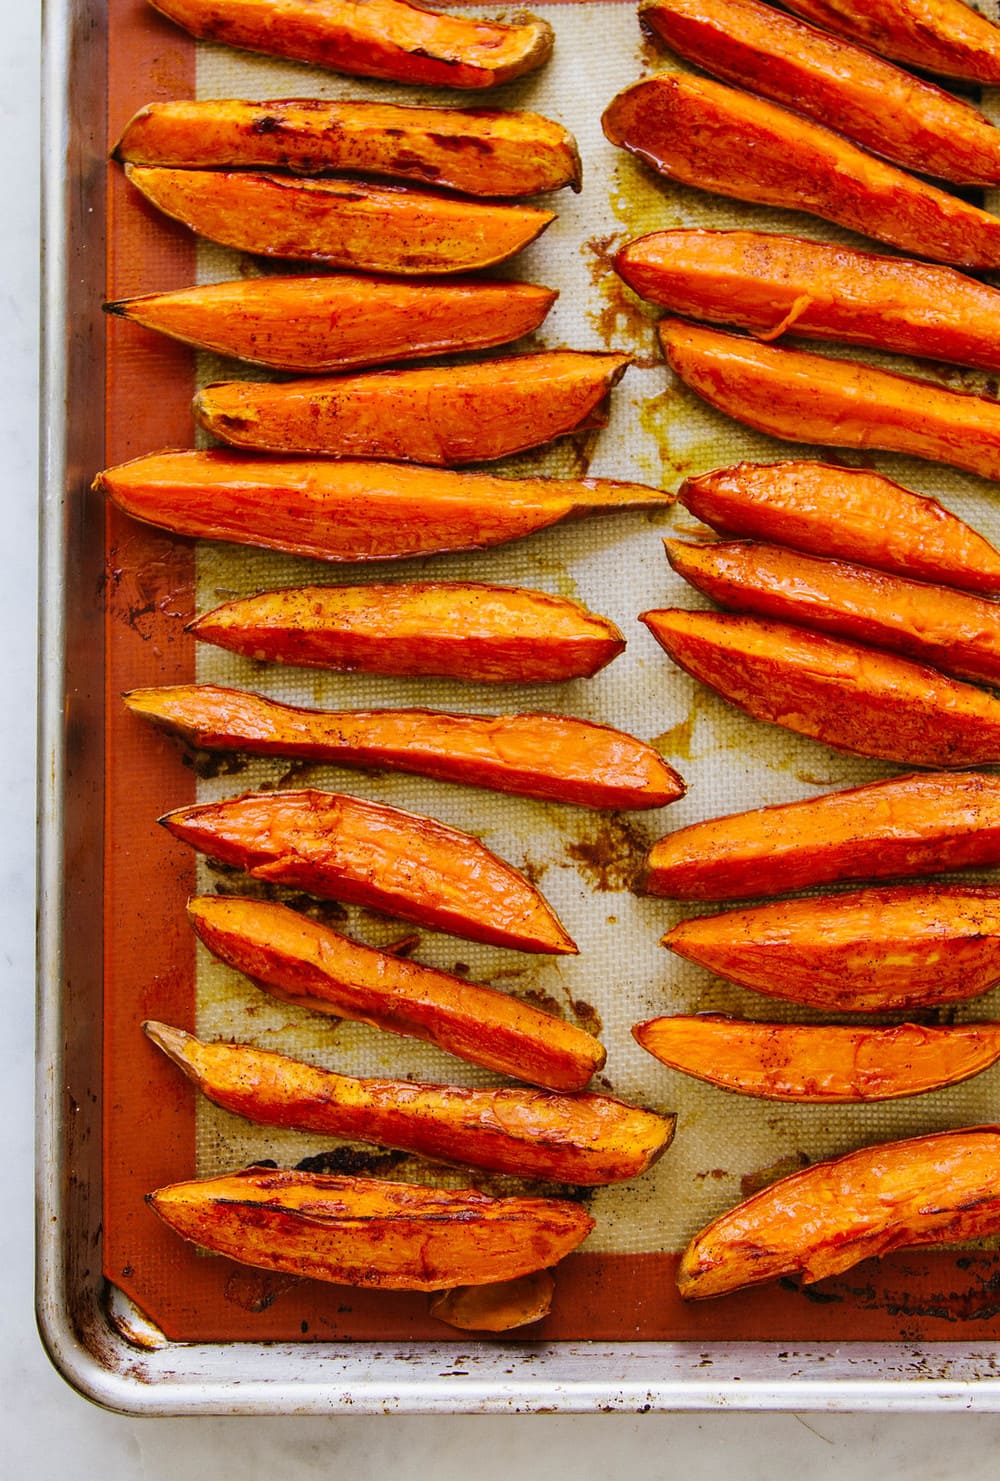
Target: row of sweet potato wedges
[(332, 1228), (361, 1231), (369, 1232), (838, 952), (748, 144)]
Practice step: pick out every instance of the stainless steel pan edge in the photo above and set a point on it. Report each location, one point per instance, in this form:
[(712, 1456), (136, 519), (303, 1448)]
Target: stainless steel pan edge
[(103, 1356)]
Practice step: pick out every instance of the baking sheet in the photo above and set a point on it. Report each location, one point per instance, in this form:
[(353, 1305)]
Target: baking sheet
[(156, 1130)]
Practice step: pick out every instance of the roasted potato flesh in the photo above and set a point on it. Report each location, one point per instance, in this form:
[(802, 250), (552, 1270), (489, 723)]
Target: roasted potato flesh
[(847, 513), (951, 630), (382, 858), (728, 142), (461, 630), (869, 950), (311, 965), (820, 1063), (392, 39), (343, 510), (496, 1308), (345, 224), (854, 698), (945, 36), (476, 151), (918, 824), (802, 397), (363, 1232), (341, 322), (926, 1190), (841, 86), (533, 755), (473, 413), (773, 284), (587, 1139)]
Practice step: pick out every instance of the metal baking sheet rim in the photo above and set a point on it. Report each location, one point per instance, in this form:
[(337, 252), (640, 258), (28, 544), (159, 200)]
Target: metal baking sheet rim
[(101, 1347)]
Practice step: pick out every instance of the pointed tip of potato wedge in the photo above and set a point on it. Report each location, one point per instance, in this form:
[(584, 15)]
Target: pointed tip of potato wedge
[(174, 1042), (177, 1044), (165, 1035), (146, 701), (171, 818)]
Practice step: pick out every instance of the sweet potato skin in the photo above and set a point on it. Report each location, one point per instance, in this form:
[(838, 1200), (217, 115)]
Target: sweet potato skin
[(463, 630), (347, 224), (845, 88), (391, 39), (382, 858), (470, 413), (365, 1232), (945, 36), (585, 1139), (820, 1221), (346, 510), (554, 757), (342, 322), (475, 151), (911, 825), (868, 951), (950, 630), (302, 962), (769, 283), (818, 1063), (803, 397), (855, 699), (728, 142), (846, 513)]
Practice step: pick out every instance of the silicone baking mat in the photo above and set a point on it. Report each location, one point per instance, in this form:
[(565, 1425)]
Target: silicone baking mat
[(620, 1285)]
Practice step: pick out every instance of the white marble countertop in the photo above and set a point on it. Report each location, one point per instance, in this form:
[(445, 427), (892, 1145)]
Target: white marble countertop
[(47, 1429)]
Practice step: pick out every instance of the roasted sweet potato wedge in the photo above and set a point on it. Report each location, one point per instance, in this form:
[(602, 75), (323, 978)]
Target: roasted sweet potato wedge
[(534, 755), (818, 1063), (496, 1308), (373, 38), (855, 699), (476, 150), (298, 960), (879, 106), (919, 824), (848, 513), (945, 36), (341, 322), (464, 630), (771, 284), (382, 858), (365, 1232), (716, 138), (951, 630), (469, 413), (820, 1221), (371, 228), (867, 951), (353, 511), (586, 1139), (814, 398)]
